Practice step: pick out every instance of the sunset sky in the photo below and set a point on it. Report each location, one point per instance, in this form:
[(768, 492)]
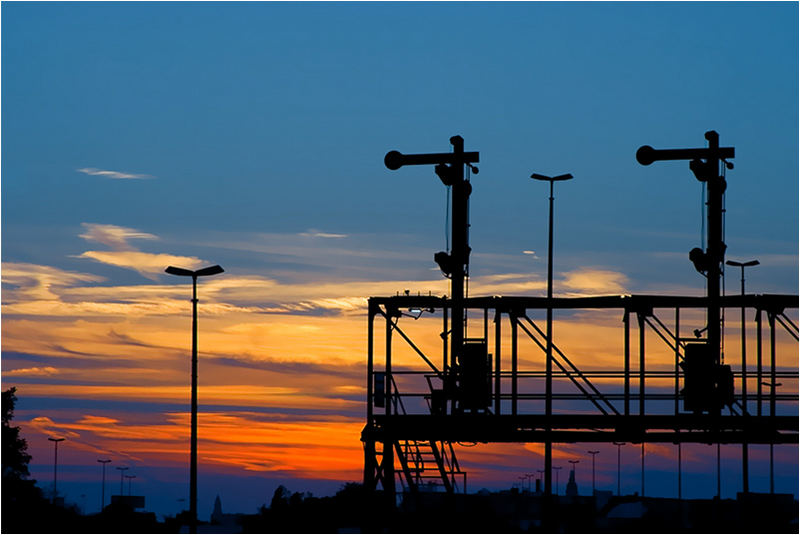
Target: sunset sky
[(252, 135)]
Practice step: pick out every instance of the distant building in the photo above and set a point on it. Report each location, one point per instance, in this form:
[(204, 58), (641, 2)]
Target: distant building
[(221, 522), (572, 487)]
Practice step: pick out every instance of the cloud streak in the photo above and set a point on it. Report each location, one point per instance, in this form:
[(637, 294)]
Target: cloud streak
[(125, 255), (113, 236), (93, 171)]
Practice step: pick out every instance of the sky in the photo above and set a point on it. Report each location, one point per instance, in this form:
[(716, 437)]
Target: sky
[(252, 135)]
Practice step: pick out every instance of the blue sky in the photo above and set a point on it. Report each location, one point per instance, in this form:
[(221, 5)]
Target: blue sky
[(252, 135)]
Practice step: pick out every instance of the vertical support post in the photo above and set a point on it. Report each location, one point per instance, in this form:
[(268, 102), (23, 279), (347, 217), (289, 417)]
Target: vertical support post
[(513, 317), (445, 338), (486, 326), (716, 247), (640, 318), (369, 443), (677, 358), (642, 467), (388, 439), (370, 360), (680, 467), (627, 362), (193, 440), (498, 320), (745, 452), (460, 251), (719, 476), (773, 385), (759, 368), (772, 367)]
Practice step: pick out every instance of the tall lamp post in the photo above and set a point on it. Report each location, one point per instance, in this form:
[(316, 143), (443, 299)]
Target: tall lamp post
[(618, 445), (211, 270), (103, 486), (745, 454), (55, 442), (593, 453), (129, 478), (548, 445), (556, 468), (121, 474)]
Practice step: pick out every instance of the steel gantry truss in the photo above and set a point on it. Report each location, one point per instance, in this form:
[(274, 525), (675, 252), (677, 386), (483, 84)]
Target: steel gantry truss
[(415, 413)]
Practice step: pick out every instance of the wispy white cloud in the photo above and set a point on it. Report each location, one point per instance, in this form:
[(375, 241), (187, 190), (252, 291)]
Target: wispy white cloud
[(32, 282), (111, 174), (113, 236), (125, 255), (313, 233), (147, 264), (31, 372)]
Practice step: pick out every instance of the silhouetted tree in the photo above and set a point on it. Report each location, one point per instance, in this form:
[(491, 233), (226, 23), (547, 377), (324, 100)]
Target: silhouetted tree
[(280, 498), (15, 448), (22, 500)]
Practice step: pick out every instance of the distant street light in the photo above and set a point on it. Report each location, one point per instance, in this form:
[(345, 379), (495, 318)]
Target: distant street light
[(529, 476), (548, 401), (55, 442), (121, 472), (772, 385), (618, 445), (129, 478), (211, 270), (556, 468), (103, 491), (593, 453), (745, 454)]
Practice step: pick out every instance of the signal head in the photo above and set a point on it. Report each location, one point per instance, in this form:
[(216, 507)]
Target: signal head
[(393, 160), (645, 155)]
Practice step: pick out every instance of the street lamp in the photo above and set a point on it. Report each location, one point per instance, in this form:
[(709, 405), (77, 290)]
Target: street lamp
[(772, 385), (55, 442), (211, 270), (530, 476), (556, 468), (121, 473), (593, 453), (618, 445), (129, 478), (548, 451), (103, 491), (745, 454)]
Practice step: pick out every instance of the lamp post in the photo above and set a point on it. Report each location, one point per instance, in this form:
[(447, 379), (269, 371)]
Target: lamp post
[(556, 468), (618, 445), (103, 486), (530, 476), (55, 442), (772, 385), (548, 446), (129, 478), (745, 454), (121, 473), (211, 270), (593, 453)]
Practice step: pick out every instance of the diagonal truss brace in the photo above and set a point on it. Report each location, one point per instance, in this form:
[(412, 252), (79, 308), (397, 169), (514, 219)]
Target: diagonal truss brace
[(591, 397)]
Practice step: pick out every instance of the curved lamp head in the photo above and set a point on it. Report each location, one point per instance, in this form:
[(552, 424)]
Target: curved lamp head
[(743, 264), (211, 270), (558, 178)]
